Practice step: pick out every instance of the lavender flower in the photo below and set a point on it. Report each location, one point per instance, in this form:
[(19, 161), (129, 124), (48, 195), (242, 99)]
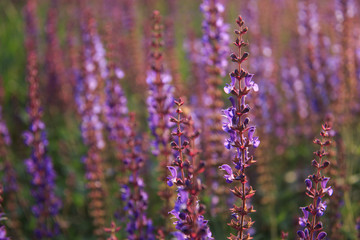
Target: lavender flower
[(345, 11), (215, 48), (160, 97), (237, 125), (133, 192), (10, 177), (116, 111), (309, 30), (159, 104), (188, 212), (5, 141), (39, 165), (3, 233), (317, 189), (91, 101), (216, 38), (58, 86)]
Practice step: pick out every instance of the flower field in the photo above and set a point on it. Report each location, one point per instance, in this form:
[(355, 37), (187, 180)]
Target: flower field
[(179, 119)]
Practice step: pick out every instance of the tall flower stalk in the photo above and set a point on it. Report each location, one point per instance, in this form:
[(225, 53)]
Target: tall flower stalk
[(215, 49), (187, 211), (317, 189), (58, 86), (39, 165), (116, 110), (133, 192), (10, 176), (241, 137), (90, 100), (159, 103)]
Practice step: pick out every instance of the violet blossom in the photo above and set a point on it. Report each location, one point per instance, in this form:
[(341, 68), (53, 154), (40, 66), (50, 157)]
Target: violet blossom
[(187, 211), (39, 165), (236, 124), (312, 227), (133, 191)]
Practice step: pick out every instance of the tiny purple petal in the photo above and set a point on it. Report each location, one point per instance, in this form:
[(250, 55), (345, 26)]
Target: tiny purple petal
[(172, 178), (308, 183), (321, 235), (229, 176), (301, 234)]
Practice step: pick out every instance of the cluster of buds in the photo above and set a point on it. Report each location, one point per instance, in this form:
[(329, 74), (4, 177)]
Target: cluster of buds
[(188, 212), (317, 189), (241, 137)]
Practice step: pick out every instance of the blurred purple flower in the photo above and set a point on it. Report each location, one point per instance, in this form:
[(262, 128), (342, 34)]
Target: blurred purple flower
[(3, 233)]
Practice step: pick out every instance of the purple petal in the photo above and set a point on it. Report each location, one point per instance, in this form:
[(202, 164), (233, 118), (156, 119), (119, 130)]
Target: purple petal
[(330, 191), (256, 142), (308, 183), (227, 168), (301, 234), (227, 89), (251, 133), (172, 171), (232, 100), (321, 235), (324, 182), (248, 81)]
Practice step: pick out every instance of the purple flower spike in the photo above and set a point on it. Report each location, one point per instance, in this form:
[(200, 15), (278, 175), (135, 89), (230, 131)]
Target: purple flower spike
[(312, 213), (229, 176), (236, 124), (46, 203), (321, 235), (250, 84), (172, 178)]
